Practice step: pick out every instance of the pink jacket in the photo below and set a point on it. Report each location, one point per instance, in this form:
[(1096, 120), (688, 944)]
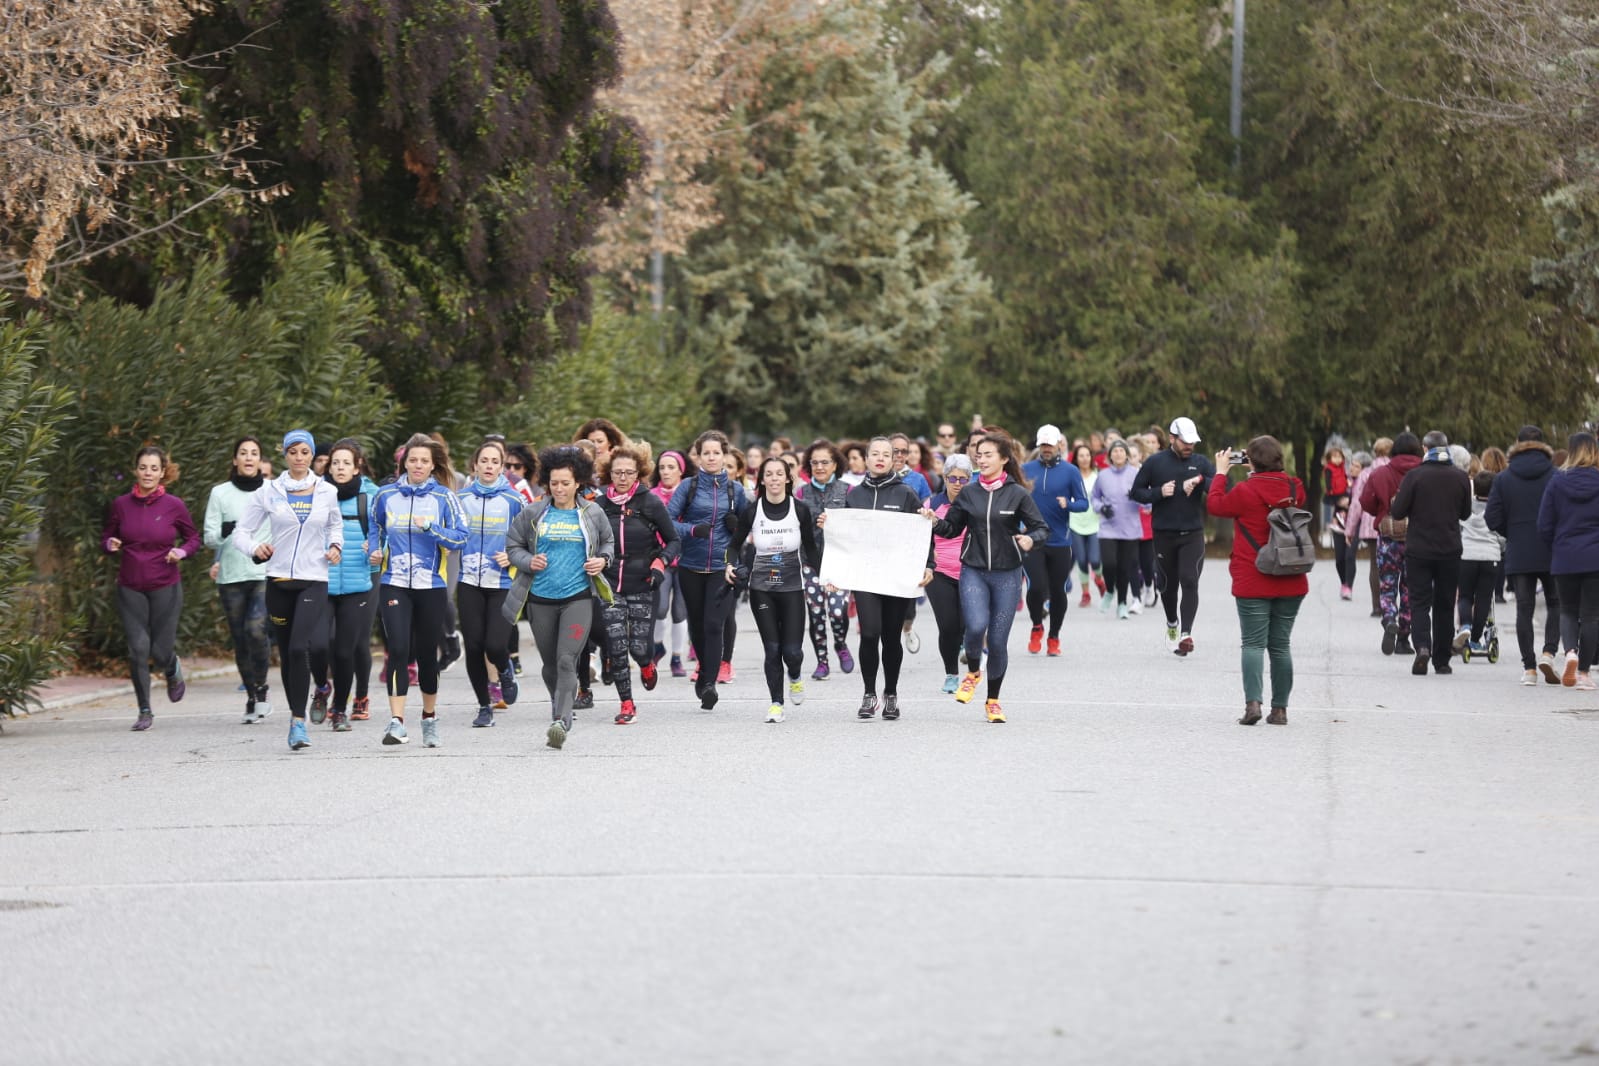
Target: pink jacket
[(1359, 520)]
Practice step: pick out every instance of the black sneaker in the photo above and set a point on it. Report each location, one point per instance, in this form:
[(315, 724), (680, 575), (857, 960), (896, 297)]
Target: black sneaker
[(1390, 638), (1442, 668), (584, 700), (868, 707), (452, 651), (1403, 647), (890, 708)]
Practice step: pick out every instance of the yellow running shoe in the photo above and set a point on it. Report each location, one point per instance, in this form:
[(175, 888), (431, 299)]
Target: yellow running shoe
[(968, 687), (996, 713)]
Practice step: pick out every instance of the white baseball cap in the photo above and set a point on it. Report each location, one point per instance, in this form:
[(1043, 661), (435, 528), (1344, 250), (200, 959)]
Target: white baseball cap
[(1185, 430), (1049, 435)]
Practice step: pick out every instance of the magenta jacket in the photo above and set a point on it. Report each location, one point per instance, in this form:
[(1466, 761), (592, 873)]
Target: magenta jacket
[(149, 527)]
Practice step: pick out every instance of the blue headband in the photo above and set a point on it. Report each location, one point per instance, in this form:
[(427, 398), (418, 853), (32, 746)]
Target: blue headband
[(298, 436)]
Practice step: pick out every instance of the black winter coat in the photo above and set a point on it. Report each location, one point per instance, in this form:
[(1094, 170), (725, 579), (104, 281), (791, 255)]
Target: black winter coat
[(1436, 497), (1513, 507), (643, 534)]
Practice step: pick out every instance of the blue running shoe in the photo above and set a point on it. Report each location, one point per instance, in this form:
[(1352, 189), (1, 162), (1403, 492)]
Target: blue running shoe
[(484, 719), (508, 686), (297, 737), (951, 683)]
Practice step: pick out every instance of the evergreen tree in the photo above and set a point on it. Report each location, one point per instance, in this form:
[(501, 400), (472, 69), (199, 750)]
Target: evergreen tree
[(1131, 288), (826, 294)]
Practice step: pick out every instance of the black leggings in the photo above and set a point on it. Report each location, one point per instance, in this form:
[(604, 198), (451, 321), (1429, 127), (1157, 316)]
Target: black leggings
[(1579, 616), (628, 629), (1344, 559), (300, 619), (413, 626), (485, 635), (1048, 571), (780, 617), (1179, 557), (350, 645), (1121, 565), (1526, 586), (710, 601), (944, 593), (150, 620), (882, 619), (1476, 595)]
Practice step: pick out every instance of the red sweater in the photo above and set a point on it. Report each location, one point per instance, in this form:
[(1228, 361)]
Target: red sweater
[(1248, 503)]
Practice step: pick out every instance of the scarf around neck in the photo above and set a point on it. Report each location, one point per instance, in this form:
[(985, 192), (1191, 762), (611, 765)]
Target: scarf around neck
[(287, 482), (993, 485), (246, 484)]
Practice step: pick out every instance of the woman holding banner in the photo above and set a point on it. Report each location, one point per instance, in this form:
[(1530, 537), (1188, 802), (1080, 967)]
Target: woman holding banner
[(1002, 523), (882, 617)]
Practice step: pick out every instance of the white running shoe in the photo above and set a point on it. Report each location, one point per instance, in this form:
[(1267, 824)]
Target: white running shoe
[(395, 733), (913, 643), (1136, 607), (796, 691), (1529, 678), (775, 713)]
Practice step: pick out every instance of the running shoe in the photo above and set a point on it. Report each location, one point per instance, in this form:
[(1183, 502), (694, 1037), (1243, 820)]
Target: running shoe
[(1529, 678), (509, 689), (297, 737), (1569, 677), (774, 713), (846, 662), (796, 691), (583, 701), (1105, 603), (484, 719), (1171, 638), (1462, 639), (1585, 682), (176, 686), (648, 676), (995, 712), (968, 687), (361, 710), (430, 732), (1149, 595), (452, 651), (725, 676), (1136, 607), (950, 683), (146, 720), (628, 712), (1084, 602), (1099, 583), (868, 707), (341, 721), (1345, 592), (496, 697), (891, 708), (709, 697), (1546, 666), (249, 712), (395, 733), (1123, 610), (1185, 646), (677, 667), (1403, 647), (658, 653), (555, 736), (1053, 649), (263, 706), (319, 704), (913, 643), (821, 671), (1035, 640)]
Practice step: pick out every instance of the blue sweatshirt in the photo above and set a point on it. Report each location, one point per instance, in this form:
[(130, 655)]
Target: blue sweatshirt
[(489, 510), (418, 526), (710, 503), (1054, 479)]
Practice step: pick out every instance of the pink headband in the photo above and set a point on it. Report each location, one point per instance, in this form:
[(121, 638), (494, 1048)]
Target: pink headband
[(682, 460)]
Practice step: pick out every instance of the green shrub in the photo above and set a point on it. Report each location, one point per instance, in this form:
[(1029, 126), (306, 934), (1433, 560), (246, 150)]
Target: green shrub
[(31, 413), (192, 372)]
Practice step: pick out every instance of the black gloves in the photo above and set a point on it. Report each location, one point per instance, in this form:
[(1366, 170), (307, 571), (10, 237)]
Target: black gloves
[(701, 531), (1106, 510)]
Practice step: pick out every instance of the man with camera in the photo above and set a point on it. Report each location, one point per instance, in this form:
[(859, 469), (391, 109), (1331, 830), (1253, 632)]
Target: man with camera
[(1172, 482)]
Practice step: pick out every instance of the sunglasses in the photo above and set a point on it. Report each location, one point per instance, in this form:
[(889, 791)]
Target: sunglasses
[(955, 479)]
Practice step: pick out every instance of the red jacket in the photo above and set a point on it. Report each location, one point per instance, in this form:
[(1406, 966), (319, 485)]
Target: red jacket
[(1378, 495), (1248, 503)]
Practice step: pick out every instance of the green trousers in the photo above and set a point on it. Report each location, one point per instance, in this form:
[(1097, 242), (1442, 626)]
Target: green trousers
[(1267, 625)]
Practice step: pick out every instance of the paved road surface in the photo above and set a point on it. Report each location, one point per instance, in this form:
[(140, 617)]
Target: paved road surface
[(1408, 873)]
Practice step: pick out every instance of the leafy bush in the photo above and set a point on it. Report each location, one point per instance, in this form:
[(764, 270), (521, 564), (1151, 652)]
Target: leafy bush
[(31, 412), (192, 372)]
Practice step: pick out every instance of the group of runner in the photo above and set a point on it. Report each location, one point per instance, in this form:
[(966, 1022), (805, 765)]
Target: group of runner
[(607, 548)]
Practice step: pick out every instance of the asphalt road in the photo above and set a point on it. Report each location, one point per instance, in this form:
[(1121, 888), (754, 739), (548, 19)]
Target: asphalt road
[(1407, 873)]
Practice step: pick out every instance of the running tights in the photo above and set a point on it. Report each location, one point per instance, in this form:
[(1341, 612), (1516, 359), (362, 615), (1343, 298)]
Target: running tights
[(882, 620), (780, 617), (150, 620), (299, 617), (413, 627), (1049, 570), (485, 635)]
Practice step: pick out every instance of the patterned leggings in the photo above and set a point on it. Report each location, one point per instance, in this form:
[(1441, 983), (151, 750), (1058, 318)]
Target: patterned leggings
[(824, 607), (629, 625), (1391, 594)]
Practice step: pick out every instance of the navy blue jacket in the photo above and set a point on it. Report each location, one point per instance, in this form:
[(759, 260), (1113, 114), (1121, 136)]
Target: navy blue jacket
[(1051, 480), (1513, 507), (1568, 521)]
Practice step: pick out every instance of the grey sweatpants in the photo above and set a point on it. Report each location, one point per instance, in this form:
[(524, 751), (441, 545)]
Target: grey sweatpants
[(560, 630), (150, 619)]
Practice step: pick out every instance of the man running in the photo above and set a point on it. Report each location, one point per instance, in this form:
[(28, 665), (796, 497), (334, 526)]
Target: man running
[(1171, 481)]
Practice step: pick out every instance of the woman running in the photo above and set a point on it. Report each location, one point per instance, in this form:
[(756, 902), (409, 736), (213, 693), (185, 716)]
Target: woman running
[(1085, 530), (416, 524), (646, 545), (670, 470), (559, 546), (241, 581), (301, 513), (1002, 524), (489, 505), (944, 591), (151, 530), (705, 509), (825, 490), (781, 530), (881, 617), (1121, 526), (352, 595)]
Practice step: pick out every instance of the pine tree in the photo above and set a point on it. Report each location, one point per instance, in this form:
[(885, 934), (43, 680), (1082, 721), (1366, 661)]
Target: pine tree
[(826, 294)]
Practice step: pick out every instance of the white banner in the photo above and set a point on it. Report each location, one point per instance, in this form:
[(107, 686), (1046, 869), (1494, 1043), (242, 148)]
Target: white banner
[(875, 551)]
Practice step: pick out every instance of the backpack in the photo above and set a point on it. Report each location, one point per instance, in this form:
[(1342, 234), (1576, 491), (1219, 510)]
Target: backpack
[(1290, 550)]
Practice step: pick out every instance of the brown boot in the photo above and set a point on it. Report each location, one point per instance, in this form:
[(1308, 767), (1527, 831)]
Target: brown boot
[(1278, 716), (1251, 713)]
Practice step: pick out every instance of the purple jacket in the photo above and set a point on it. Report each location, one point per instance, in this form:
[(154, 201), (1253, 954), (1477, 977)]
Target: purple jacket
[(149, 527), (1112, 486)]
